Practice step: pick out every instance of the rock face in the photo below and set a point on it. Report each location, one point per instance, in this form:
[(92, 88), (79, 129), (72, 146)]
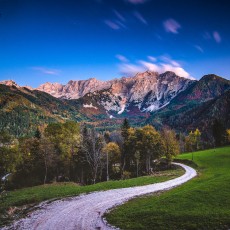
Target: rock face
[(12, 83), (198, 106), (146, 91), (73, 89), (9, 83)]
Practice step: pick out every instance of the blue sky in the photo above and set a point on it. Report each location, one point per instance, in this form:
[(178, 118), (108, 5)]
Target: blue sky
[(60, 40)]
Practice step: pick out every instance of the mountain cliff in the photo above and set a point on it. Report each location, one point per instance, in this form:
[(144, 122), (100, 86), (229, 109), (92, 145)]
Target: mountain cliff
[(73, 89), (198, 106), (146, 91)]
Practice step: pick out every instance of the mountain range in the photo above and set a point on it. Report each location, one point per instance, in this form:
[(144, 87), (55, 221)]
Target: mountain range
[(147, 91), (148, 97)]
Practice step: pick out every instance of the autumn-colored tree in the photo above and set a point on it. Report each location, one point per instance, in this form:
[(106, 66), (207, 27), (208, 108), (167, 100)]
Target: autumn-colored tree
[(150, 145), (197, 135), (46, 149), (71, 144), (193, 141), (30, 168), (9, 154), (171, 144), (133, 146), (228, 134), (66, 140), (113, 154)]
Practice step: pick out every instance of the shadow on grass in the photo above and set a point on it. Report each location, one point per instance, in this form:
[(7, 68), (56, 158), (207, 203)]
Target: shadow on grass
[(187, 162)]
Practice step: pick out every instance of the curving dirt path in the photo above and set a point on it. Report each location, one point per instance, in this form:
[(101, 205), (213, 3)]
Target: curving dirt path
[(85, 212)]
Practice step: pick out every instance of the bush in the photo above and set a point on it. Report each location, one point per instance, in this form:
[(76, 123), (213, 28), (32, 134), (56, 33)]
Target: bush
[(126, 175)]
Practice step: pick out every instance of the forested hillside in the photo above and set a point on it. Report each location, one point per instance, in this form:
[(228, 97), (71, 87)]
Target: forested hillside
[(22, 110), (203, 105)]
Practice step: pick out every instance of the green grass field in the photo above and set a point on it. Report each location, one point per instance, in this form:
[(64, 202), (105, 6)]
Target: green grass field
[(37, 194), (202, 203)]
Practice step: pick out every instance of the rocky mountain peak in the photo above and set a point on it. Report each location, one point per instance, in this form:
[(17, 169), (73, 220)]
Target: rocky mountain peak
[(148, 91), (51, 88), (9, 83), (146, 74), (212, 77)]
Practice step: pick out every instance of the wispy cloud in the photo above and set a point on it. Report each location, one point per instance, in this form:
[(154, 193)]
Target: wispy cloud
[(112, 25), (152, 59), (171, 26), (119, 16), (199, 48), (150, 66), (207, 35), (136, 1), (122, 25), (217, 36), (46, 70), (122, 58), (140, 17), (164, 64), (130, 69), (176, 69), (167, 59)]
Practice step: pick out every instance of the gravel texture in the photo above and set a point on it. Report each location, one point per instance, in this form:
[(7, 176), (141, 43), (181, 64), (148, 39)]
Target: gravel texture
[(85, 212)]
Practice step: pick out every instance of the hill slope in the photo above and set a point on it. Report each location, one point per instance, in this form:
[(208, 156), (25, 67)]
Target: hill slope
[(22, 110), (197, 107), (202, 203)]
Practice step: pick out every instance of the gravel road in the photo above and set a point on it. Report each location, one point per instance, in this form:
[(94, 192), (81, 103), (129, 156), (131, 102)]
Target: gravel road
[(85, 212)]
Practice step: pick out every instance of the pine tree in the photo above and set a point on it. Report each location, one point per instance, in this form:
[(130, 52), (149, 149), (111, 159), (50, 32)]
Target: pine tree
[(37, 133), (218, 132), (125, 135)]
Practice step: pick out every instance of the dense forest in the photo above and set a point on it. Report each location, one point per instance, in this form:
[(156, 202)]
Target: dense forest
[(71, 151)]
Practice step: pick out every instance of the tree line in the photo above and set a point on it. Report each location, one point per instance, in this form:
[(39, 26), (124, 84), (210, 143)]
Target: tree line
[(73, 152)]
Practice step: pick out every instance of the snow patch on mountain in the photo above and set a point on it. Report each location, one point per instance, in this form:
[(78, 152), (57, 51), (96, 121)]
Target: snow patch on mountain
[(122, 109), (89, 106)]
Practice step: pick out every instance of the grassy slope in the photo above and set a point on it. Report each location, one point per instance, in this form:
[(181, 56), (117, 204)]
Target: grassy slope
[(203, 203), (45, 192)]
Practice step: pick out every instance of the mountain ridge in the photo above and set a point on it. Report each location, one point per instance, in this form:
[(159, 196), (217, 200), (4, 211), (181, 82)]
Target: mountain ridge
[(169, 100), (148, 91), (150, 87), (93, 84)]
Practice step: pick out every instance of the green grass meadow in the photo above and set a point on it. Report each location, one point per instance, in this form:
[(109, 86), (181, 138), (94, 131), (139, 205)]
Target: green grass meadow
[(202, 203)]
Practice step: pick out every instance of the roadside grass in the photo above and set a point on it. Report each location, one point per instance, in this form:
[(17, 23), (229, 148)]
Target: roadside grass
[(202, 203), (33, 195)]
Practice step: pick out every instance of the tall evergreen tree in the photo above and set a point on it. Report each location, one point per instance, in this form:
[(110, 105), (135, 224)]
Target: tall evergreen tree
[(125, 151), (218, 132), (37, 133)]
